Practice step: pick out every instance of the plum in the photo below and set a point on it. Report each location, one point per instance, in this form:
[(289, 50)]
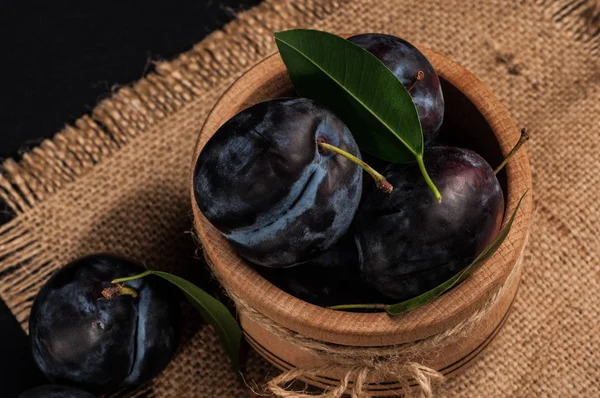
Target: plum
[(81, 338), (408, 242), (264, 182), (406, 61), (330, 279), (55, 391)]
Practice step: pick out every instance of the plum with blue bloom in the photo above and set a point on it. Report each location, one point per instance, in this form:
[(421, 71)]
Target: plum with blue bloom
[(90, 333), (265, 183)]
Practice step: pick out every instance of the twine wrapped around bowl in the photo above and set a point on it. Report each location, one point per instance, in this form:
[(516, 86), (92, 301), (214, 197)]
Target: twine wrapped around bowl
[(374, 354)]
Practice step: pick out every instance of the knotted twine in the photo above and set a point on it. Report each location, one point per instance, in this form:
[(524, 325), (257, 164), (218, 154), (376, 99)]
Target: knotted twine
[(397, 362)]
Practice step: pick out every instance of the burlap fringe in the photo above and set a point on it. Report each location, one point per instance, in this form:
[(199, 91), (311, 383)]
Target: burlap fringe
[(24, 264), (579, 17)]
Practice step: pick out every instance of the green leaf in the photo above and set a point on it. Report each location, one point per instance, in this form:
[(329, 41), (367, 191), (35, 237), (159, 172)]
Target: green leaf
[(396, 309), (213, 312), (356, 86)]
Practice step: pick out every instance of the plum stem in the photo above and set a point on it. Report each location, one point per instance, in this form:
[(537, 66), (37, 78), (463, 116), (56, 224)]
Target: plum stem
[(418, 77), (118, 289), (524, 137), (437, 194), (132, 278), (358, 307), (380, 180)]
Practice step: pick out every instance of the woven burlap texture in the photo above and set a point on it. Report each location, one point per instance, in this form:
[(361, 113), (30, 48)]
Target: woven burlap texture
[(117, 180)]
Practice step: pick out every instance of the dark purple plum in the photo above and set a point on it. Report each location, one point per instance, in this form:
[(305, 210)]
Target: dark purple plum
[(80, 338), (262, 181), (330, 279), (405, 61), (408, 242), (55, 391)]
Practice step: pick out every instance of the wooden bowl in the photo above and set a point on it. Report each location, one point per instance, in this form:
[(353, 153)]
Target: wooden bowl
[(474, 119)]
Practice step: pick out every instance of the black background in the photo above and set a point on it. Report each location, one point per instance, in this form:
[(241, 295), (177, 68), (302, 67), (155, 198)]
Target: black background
[(60, 58)]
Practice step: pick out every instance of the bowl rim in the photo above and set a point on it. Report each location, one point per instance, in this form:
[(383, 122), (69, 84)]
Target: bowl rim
[(372, 329)]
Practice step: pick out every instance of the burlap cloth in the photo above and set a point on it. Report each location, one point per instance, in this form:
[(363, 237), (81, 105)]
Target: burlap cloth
[(117, 180)]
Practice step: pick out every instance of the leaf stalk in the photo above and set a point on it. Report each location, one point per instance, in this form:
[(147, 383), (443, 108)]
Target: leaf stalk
[(436, 192)]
